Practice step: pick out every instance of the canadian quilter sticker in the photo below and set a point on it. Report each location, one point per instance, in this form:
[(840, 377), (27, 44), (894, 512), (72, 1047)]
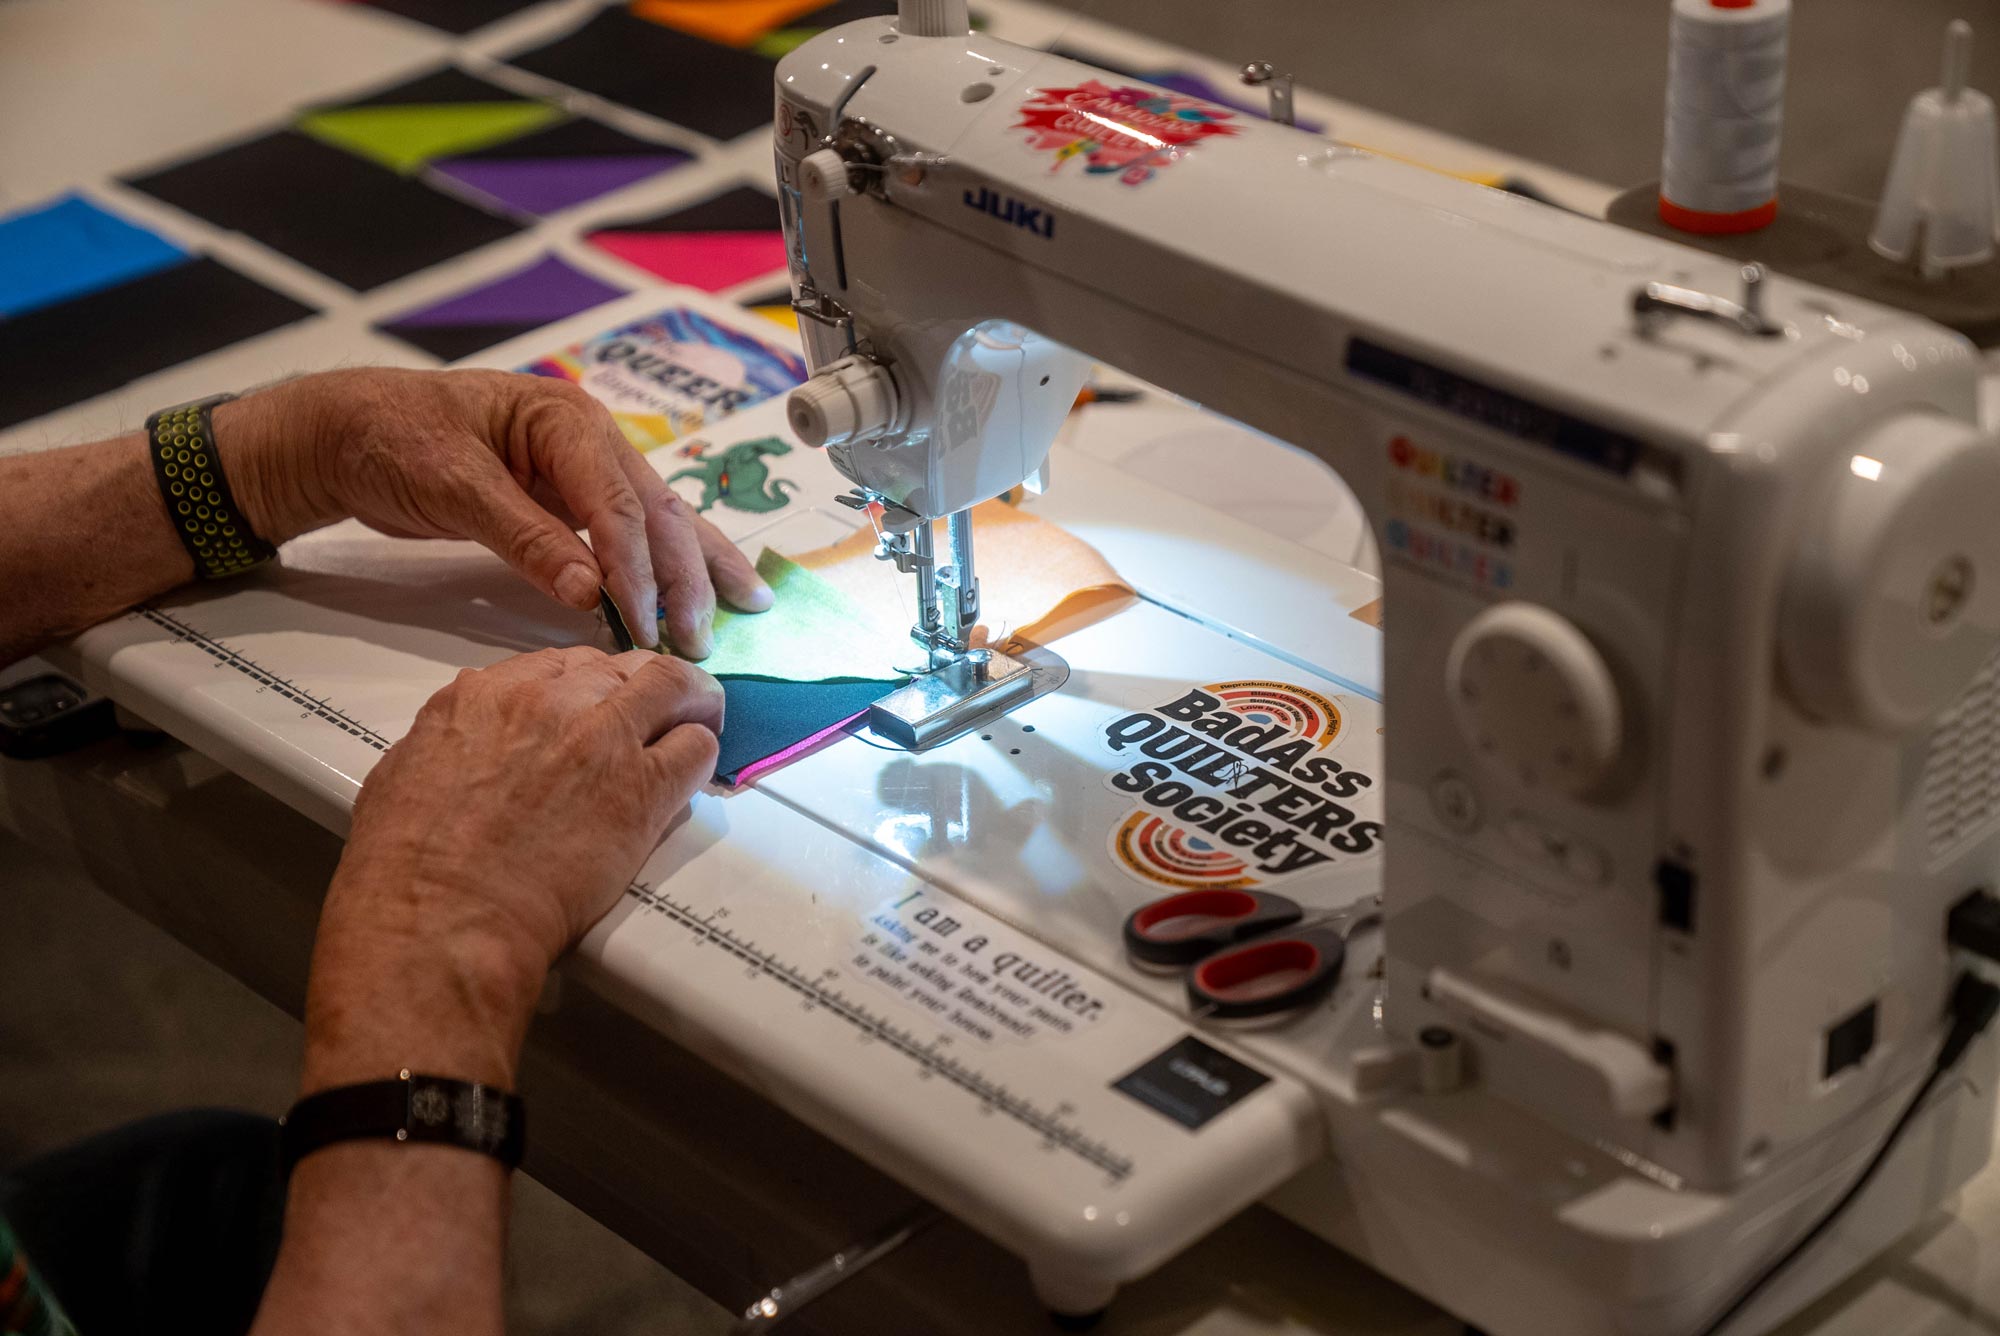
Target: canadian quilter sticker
[(1233, 787), (1127, 132)]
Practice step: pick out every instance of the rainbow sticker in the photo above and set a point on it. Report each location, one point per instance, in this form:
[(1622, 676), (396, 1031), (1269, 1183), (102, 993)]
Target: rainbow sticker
[(1156, 850), (1306, 713)]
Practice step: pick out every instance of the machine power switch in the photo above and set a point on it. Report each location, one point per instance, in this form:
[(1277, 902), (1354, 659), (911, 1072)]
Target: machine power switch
[(1892, 603), (849, 400), (1535, 699)]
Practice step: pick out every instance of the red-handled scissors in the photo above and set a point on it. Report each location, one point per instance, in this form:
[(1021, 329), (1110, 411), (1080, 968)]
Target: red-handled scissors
[(1253, 953)]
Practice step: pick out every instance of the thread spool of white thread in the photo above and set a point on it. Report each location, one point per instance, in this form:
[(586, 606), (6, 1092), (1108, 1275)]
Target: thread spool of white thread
[(1725, 114)]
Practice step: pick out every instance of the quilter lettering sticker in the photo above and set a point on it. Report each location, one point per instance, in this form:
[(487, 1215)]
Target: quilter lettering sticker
[(1451, 514), (973, 976), (1233, 787), (1127, 132)]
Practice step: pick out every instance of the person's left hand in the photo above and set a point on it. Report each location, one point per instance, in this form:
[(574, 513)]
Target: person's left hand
[(515, 462)]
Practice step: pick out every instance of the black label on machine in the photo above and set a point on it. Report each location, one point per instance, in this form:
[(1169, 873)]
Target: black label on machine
[(1583, 441), (1190, 1082)]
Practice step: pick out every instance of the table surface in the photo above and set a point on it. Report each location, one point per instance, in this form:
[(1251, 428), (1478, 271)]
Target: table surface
[(1258, 1274)]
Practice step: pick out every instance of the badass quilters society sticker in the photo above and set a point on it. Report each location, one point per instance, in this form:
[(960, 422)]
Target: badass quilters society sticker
[(1232, 786), (1128, 132)]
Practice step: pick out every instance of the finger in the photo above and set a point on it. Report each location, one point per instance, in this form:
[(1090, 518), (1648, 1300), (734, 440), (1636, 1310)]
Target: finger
[(551, 500), (664, 694), (732, 573), (679, 565), (493, 511), (683, 760), (577, 449)]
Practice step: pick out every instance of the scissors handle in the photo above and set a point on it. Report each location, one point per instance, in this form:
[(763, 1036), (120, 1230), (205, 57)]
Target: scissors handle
[(1182, 929), (1269, 975)]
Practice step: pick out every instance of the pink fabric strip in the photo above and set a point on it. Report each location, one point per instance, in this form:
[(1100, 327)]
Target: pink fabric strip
[(776, 759)]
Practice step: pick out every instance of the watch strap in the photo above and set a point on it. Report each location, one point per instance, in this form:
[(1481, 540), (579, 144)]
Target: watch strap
[(413, 1107), (181, 443)]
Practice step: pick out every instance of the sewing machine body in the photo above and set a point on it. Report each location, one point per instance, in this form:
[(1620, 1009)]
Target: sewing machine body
[(1660, 935)]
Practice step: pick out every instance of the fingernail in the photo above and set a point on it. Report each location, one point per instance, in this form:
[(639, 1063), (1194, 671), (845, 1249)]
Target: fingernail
[(576, 585), (760, 598), (705, 636)]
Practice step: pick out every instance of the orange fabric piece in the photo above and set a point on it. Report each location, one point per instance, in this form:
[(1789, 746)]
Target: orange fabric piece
[(1036, 580), (733, 22)]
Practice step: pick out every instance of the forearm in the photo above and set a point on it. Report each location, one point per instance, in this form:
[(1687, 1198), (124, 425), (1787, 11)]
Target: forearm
[(84, 531), (382, 1237), (83, 535)]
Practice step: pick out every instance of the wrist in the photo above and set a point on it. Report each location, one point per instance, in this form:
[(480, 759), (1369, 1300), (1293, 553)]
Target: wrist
[(398, 984), (270, 447)]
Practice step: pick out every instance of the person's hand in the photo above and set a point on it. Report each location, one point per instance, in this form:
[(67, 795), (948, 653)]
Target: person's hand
[(517, 809), (515, 462)]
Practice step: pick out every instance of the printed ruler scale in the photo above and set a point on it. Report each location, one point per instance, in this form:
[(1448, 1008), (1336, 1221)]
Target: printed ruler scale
[(224, 656), (929, 1058)]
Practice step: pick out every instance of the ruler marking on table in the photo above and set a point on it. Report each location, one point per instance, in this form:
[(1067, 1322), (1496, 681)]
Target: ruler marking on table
[(927, 1056), (224, 655)]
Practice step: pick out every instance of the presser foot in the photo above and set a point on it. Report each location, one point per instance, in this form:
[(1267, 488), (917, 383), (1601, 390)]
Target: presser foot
[(963, 695)]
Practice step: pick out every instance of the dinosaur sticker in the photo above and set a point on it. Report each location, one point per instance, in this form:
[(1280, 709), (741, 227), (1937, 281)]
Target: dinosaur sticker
[(737, 476)]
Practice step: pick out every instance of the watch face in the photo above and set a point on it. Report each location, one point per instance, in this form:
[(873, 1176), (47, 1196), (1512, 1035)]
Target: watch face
[(430, 1106), (38, 700)]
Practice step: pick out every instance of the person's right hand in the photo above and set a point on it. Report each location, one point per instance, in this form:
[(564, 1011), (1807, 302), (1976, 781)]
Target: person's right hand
[(517, 809)]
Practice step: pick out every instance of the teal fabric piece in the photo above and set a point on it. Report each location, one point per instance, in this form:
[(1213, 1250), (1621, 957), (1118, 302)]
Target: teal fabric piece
[(762, 719), (810, 663), (810, 634)]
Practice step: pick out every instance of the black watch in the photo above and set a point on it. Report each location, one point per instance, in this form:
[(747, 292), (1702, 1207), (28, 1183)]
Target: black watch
[(431, 1110)]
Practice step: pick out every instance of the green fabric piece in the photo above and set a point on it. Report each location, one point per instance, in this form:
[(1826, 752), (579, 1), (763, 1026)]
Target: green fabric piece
[(406, 137), (777, 45), (812, 633)]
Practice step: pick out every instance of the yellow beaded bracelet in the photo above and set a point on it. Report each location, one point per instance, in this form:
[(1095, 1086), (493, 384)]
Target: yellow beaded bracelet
[(199, 503)]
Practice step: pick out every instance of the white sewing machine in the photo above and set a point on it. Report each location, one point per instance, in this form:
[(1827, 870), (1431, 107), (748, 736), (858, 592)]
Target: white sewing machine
[(1692, 588)]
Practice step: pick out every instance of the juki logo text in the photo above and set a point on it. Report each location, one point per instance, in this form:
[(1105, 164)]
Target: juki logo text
[(1029, 218)]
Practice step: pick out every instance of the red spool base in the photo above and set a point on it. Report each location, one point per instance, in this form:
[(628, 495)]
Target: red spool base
[(1717, 224)]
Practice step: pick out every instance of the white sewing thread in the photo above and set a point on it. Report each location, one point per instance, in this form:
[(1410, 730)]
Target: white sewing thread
[(1725, 105)]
